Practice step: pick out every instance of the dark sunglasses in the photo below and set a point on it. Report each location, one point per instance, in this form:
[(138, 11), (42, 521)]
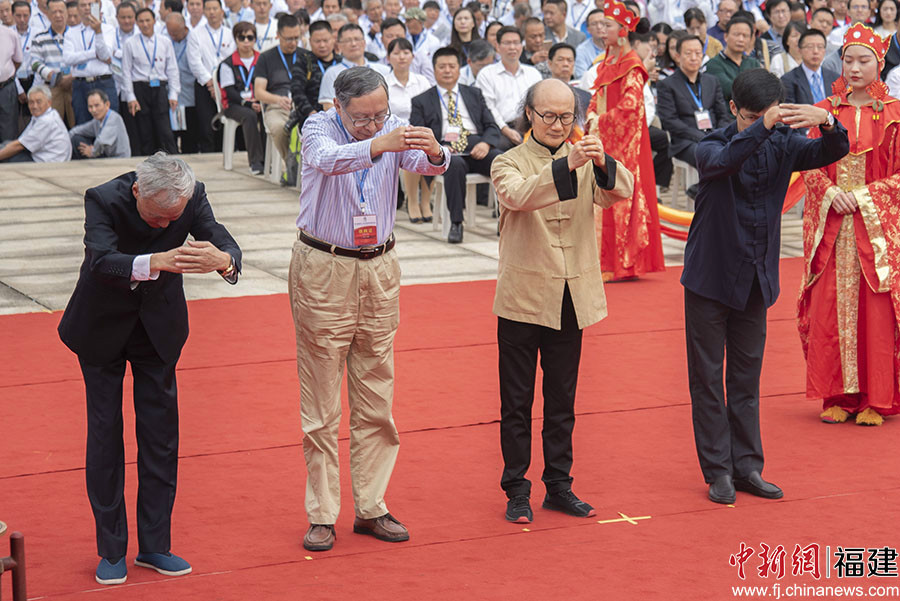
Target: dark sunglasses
[(246, 38)]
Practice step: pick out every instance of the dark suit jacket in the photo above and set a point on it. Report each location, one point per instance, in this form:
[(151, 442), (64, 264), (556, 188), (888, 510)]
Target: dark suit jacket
[(675, 107), (426, 112), (796, 86), (104, 309), (892, 58)]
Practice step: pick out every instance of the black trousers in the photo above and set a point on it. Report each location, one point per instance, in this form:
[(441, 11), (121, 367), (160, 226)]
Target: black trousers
[(188, 138), (207, 141), (154, 126), (251, 126), (662, 162), (131, 128), (455, 180), (560, 352), (76, 140), (726, 434), (156, 428)]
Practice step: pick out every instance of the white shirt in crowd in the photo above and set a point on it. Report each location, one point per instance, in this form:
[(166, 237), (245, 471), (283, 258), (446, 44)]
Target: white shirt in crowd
[(504, 91), (39, 22), (226, 73), (86, 51), (207, 47), (266, 35), (47, 138), (672, 11), (25, 41), (232, 18), (578, 12), (401, 96), (279, 6), (117, 46), (200, 23), (326, 90), (150, 60), (893, 81)]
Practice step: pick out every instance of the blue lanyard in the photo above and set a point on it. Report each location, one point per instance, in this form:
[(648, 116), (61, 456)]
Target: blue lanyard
[(455, 107), (213, 40), (118, 41), (43, 24), (284, 60), (321, 66), (259, 42), (249, 77), (697, 100), (348, 65), (896, 43), (83, 43), (418, 40), (183, 49), (62, 35), (360, 179), (102, 125), (27, 37), (152, 61), (578, 18)]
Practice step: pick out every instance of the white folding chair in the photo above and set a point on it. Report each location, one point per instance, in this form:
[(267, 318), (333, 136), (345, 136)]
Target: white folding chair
[(685, 176), (442, 213), (229, 127)]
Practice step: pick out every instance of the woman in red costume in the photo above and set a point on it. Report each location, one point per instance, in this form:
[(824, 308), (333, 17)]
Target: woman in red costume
[(628, 233), (851, 242)]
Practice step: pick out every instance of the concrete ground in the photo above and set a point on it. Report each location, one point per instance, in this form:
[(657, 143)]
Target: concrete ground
[(42, 225)]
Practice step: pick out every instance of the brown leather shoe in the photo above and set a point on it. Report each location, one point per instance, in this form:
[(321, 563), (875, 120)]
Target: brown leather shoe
[(386, 528), (319, 537)]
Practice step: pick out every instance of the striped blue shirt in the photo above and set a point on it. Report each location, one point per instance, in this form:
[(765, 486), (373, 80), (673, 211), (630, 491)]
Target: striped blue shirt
[(333, 166)]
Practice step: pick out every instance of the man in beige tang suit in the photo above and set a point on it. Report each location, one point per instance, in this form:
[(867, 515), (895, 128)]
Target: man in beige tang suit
[(549, 286)]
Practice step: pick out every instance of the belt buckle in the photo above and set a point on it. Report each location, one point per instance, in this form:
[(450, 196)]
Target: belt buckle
[(368, 252)]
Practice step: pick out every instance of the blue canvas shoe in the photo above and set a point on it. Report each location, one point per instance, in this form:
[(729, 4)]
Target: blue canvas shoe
[(164, 563), (111, 573)]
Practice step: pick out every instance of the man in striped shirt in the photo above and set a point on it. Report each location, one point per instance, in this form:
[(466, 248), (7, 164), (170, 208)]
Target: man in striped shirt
[(47, 61), (345, 292)]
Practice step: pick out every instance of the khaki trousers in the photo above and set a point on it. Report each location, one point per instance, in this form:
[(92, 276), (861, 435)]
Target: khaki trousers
[(413, 184), (275, 117), (346, 310)]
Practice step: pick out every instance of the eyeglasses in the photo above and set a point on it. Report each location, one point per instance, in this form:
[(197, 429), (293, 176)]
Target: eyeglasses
[(246, 38), (360, 122), (550, 118)]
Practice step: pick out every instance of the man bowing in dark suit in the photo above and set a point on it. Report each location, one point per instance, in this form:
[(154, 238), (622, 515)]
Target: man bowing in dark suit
[(460, 119), (690, 104), (129, 305), (809, 83)]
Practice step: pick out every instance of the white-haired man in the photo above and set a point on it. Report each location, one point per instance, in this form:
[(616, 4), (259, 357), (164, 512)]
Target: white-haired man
[(45, 140), (129, 306)]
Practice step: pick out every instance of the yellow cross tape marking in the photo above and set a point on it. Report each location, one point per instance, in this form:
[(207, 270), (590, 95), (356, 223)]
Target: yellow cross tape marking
[(308, 558), (525, 530), (625, 518)]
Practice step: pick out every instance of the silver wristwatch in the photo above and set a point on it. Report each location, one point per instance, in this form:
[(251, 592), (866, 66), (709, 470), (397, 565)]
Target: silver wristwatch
[(829, 121)]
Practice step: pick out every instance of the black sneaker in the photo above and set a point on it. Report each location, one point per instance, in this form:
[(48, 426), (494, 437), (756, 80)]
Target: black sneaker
[(518, 510), (566, 502)]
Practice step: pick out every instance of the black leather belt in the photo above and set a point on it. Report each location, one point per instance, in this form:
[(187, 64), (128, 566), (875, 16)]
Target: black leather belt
[(365, 253), (3, 84), (93, 79)]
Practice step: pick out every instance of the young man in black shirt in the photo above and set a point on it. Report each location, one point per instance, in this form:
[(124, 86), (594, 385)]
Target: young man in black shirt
[(308, 70), (272, 87)]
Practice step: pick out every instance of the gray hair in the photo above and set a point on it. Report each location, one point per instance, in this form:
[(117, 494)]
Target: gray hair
[(480, 50), (40, 89), (335, 18), (357, 81), (371, 2), (522, 10), (165, 179)]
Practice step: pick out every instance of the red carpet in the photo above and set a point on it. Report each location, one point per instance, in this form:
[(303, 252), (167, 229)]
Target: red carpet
[(239, 515)]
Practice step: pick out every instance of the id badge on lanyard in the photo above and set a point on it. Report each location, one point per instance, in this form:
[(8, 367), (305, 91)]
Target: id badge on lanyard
[(365, 226), (704, 121)]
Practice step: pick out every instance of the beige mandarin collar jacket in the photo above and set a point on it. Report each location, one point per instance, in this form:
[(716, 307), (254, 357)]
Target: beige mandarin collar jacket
[(547, 233)]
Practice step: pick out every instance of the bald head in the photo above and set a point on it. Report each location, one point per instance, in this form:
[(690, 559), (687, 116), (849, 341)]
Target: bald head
[(176, 26), (554, 93)]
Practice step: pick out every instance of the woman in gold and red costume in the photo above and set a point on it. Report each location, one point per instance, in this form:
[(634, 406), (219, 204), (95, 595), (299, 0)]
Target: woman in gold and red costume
[(628, 233), (851, 241)]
